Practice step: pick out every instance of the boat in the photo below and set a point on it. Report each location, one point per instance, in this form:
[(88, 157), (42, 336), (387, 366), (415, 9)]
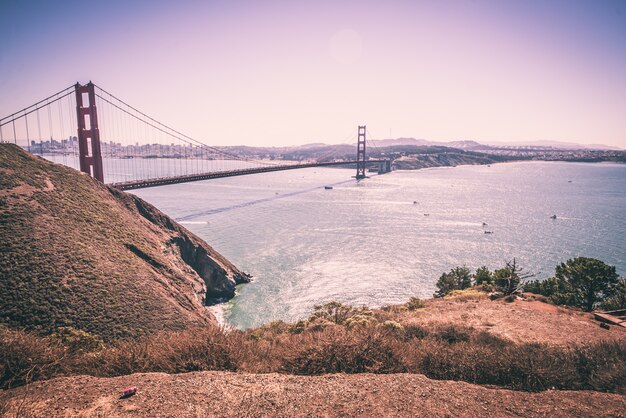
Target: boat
[(553, 217), (488, 232), (484, 223), (328, 187)]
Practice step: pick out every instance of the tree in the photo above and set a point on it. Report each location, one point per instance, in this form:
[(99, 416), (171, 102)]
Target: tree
[(457, 279), (592, 281), (483, 276), (618, 299), (559, 291), (508, 279)]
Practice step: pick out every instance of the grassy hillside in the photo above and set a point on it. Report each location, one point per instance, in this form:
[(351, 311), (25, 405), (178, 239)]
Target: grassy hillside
[(75, 253)]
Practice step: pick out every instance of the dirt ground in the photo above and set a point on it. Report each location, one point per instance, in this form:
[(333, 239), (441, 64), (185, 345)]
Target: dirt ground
[(519, 321), (246, 395)]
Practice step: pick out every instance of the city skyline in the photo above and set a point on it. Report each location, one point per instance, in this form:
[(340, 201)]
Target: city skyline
[(289, 73)]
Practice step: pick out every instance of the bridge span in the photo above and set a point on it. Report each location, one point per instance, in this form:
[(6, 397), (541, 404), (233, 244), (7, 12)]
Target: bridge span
[(93, 130), (384, 167)]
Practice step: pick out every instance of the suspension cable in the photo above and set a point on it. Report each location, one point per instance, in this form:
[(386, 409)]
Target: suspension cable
[(180, 134), (14, 118)]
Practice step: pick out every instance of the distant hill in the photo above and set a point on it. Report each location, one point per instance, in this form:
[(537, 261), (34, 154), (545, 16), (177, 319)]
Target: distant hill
[(556, 145), (76, 253), (467, 145), (464, 145)]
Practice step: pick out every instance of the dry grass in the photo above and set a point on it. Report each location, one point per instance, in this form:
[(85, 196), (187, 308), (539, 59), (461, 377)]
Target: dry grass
[(466, 294), (320, 346)]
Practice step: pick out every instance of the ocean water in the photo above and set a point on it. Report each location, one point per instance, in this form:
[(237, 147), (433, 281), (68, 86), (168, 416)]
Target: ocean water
[(389, 237)]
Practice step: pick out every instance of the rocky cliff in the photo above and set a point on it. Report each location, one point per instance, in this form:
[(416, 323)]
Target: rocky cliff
[(76, 253)]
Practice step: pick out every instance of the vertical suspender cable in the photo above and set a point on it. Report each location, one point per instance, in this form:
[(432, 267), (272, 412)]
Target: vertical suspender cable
[(69, 137), (27, 133), (50, 123), (61, 125), (39, 128)]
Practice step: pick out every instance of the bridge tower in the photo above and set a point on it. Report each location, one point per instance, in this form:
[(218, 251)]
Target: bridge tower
[(90, 156), (360, 154)]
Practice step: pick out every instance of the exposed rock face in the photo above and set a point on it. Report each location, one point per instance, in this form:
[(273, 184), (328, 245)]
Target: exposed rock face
[(220, 275), (76, 253)]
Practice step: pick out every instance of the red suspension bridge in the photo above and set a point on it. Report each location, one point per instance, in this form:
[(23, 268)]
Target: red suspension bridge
[(90, 129)]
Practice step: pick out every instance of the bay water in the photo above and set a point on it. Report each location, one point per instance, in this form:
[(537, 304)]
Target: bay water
[(389, 237)]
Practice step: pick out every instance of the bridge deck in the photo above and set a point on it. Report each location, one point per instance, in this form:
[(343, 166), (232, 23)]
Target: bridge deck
[(140, 184)]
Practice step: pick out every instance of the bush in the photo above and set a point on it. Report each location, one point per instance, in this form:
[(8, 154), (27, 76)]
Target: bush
[(371, 351), (412, 331), (467, 294), (337, 313), (77, 340), (415, 303), (458, 278), (483, 276), (393, 326), (451, 334), (25, 357)]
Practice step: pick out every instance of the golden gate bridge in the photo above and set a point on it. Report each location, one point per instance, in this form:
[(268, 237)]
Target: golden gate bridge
[(90, 129)]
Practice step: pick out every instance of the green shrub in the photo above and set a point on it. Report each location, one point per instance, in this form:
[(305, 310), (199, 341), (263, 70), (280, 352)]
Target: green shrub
[(415, 303), (333, 312), (342, 314), (458, 278), (483, 276), (78, 340)]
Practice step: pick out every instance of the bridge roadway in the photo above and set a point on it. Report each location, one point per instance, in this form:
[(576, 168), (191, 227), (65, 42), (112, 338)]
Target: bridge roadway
[(141, 184)]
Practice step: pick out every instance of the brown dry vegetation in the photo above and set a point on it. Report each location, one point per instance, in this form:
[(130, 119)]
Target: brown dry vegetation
[(339, 339), (75, 253)]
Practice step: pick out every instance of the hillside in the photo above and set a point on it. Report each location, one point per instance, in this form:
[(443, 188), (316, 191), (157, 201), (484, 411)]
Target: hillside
[(446, 159), (76, 253)]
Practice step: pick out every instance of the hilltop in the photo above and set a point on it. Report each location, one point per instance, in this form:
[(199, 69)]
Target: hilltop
[(76, 253)]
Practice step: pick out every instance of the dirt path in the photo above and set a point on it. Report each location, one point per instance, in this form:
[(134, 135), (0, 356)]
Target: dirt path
[(231, 394)]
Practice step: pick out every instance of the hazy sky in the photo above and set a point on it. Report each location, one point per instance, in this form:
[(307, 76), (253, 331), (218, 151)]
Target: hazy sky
[(291, 72)]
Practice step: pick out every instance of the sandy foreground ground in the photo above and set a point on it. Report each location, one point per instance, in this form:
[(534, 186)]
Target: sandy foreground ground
[(226, 394)]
